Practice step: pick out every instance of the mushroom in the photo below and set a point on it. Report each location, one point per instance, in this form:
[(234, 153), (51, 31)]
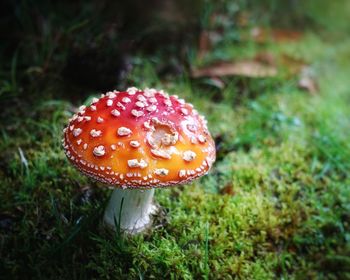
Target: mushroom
[(136, 141)]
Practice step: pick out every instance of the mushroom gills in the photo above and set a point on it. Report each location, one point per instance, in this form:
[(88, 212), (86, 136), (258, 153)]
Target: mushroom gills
[(134, 207)]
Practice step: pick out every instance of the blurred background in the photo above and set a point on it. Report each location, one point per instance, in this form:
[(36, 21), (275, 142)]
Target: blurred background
[(272, 78), (89, 46)]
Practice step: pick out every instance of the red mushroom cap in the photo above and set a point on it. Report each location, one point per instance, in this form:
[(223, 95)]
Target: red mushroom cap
[(139, 139)]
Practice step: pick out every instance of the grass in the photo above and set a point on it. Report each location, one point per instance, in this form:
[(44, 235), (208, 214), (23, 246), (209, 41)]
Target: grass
[(275, 205)]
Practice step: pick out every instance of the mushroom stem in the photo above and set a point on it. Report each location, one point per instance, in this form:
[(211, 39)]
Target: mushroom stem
[(134, 208)]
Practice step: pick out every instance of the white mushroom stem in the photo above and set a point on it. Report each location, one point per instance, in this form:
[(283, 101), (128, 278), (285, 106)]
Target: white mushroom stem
[(130, 209)]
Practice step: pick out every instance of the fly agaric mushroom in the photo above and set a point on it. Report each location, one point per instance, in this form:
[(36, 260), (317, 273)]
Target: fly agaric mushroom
[(136, 141)]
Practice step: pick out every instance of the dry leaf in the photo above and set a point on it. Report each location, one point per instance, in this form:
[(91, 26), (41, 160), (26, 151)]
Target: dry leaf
[(246, 68), (263, 35), (215, 82), (293, 65), (207, 39), (228, 190), (307, 81), (204, 44), (266, 58)]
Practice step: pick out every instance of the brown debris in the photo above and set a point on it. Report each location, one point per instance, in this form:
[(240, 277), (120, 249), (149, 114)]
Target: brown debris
[(308, 82), (204, 44), (207, 39), (264, 35), (293, 65), (227, 190), (267, 58), (246, 68)]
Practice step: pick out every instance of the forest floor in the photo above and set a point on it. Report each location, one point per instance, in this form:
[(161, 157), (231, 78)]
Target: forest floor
[(276, 203)]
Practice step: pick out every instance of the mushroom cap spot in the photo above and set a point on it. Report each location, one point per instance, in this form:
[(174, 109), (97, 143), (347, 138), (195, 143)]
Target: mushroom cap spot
[(152, 100), (140, 104), (77, 132), (121, 106), (184, 111), (182, 173), (134, 163), (95, 133), (141, 98), (201, 138), (161, 171), (123, 131), (189, 155), (111, 94), (137, 113), (161, 153), (115, 113), (126, 100), (153, 140), (99, 151), (134, 144), (151, 108), (168, 102)]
